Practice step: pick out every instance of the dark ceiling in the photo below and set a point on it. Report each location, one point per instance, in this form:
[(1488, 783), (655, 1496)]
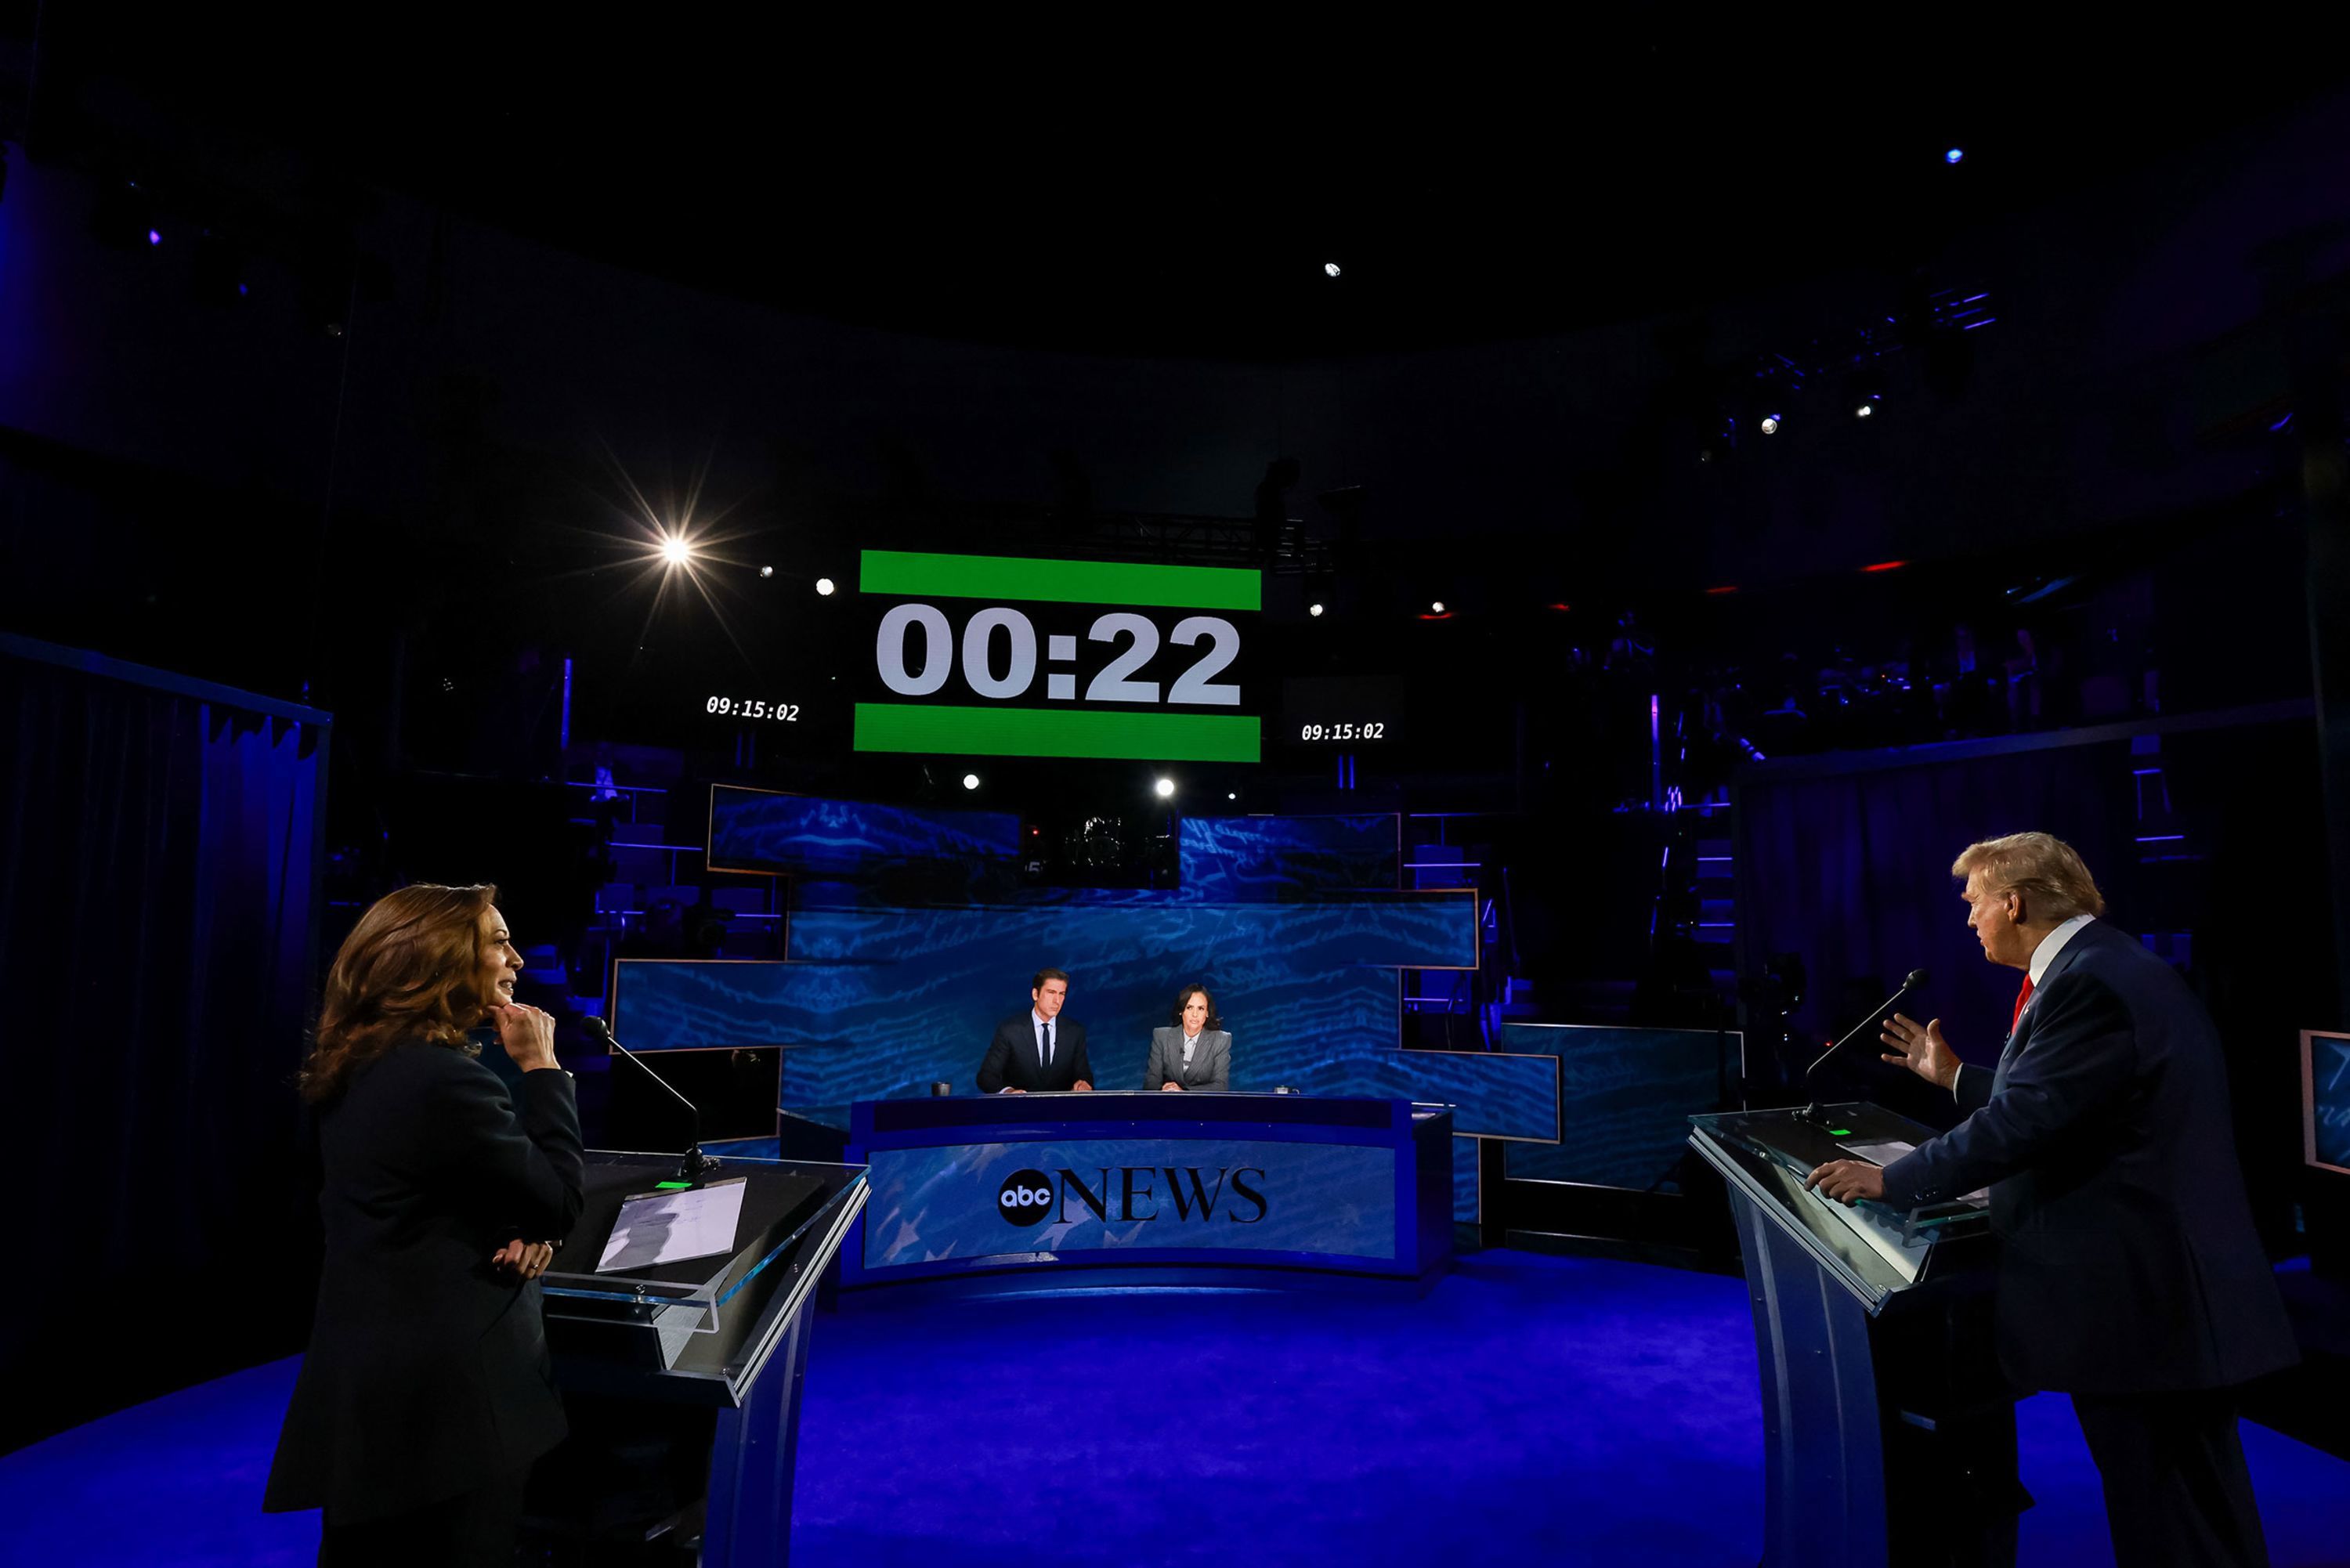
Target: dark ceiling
[(1177, 193)]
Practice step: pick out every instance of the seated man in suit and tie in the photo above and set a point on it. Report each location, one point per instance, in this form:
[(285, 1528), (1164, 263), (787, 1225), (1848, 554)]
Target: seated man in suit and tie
[(1193, 1051), (2130, 1275), (1038, 1049)]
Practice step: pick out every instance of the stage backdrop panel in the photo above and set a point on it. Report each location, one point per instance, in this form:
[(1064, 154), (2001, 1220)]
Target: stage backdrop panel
[(1466, 1153), (882, 998), (1353, 1015), (803, 836), (1628, 1095), (1277, 859), (1491, 1095)]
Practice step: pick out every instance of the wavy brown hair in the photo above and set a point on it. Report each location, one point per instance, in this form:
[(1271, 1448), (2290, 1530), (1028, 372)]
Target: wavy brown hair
[(405, 973)]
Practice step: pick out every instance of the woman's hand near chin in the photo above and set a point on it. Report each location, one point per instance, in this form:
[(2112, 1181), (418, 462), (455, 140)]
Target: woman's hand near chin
[(526, 1032)]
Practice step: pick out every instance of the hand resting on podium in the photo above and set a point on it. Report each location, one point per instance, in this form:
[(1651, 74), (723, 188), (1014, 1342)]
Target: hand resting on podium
[(1847, 1181)]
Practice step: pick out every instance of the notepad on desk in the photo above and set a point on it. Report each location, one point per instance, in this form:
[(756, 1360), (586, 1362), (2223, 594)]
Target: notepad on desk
[(664, 1226)]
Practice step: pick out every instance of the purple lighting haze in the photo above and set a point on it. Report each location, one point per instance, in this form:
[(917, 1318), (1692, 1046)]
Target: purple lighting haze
[(154, 237)]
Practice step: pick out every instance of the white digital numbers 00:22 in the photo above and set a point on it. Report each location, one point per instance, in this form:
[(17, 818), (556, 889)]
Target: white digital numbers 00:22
[(1004, 668)]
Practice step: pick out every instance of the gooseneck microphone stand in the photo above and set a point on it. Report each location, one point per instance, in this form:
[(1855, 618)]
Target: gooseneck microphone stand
[(693, 1164), (1813, 1113)]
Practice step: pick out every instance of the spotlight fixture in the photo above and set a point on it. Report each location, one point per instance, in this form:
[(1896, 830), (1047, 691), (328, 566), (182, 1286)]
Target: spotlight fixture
[(1231, 794), (1313, 609), (1770, 424), (824, 586), (971, 781), (1863, 412), (1331, 268), (767, 571), (1954, 155), (154, 237), (1436, 607), (1164, 789), (675, 550)]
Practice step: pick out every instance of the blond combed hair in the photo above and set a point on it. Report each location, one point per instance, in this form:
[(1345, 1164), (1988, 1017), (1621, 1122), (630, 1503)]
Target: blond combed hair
[(2047, 871)]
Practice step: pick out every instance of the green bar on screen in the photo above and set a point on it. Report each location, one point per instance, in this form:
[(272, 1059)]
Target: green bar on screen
[(918, 575), (1056, 732)]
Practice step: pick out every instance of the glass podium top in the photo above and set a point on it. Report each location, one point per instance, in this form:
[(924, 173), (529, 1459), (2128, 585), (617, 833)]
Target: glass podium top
[(707, 1321), (1875, 1249)]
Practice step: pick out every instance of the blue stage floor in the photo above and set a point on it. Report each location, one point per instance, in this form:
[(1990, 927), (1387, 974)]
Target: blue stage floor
[(1528, 1409)]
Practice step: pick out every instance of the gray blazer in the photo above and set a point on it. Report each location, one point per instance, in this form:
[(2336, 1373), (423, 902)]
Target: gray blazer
[(1211, 1060)]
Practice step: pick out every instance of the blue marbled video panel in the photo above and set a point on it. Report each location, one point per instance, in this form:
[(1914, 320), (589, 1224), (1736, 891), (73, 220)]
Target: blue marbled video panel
[(1465, 1154), (1305, 1032), (1432, 930), (1492, 1096), (1275, 859), (803, 836), (1628, 1095), (1000, 1200), (2329, 1101)]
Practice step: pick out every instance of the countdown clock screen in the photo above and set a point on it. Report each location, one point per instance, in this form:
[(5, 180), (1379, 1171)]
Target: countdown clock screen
[(1003, 656)]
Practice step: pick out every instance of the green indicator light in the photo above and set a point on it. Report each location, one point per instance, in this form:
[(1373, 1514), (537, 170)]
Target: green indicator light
[(1056, 732), (916, 575), (672, 1187), (1839, 1132)]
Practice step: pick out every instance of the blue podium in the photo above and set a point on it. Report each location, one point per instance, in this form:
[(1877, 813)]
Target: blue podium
[(1033, 1191)]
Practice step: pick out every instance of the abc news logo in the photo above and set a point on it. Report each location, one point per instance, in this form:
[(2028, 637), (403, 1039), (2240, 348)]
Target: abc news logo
[(1233, 1194)]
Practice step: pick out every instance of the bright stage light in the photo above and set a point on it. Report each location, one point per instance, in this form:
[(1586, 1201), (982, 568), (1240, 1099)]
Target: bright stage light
[(767, 571), (1164, 788), (1313, 609), (154, 237), (1437, 607), (1863, 412), (1231, 794), (1770, 424), (824, 586), (1331, 268), (971, 781), (1954, 155), (675, 550)]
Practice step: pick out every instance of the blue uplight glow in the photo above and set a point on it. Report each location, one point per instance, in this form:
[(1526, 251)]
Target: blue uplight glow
[(1954, 155)]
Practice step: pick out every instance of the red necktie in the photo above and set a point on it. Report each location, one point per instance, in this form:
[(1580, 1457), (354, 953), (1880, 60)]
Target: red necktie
[(2022, 997)]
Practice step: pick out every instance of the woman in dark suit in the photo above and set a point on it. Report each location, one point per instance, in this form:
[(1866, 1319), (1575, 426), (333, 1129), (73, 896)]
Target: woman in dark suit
[(1193, 1051), (428, 1393)]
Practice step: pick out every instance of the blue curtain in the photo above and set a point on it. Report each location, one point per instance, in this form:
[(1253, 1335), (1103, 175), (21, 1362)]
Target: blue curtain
[(158, 933), (1851, 871)]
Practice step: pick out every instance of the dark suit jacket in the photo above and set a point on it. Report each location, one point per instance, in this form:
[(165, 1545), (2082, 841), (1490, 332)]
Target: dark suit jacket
[(427, 1375), (1211, 1060), (2128, 1262), (1012, 1061)]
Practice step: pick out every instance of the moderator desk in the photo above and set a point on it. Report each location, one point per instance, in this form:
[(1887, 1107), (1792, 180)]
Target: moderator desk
[(1043, 1190)]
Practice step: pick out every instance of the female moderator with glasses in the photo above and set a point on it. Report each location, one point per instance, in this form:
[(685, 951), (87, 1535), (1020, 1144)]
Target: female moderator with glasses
[(1193, 1051), (428, 1393)]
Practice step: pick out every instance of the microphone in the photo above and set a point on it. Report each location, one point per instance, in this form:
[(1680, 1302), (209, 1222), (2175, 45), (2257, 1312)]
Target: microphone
[(694, 1162), (1911, 981)]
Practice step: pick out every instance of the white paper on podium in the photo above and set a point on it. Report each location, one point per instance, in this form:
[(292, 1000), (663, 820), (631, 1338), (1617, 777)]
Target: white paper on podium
[(664, 1226), (1887, 1153)]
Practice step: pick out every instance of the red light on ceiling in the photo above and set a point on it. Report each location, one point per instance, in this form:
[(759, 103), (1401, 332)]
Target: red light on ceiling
[(1561, 608), (1725, 588), (1885, 566), (1446, 616)]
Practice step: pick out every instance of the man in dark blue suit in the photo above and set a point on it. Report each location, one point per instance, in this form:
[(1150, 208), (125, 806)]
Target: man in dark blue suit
[(2130, 1275)]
